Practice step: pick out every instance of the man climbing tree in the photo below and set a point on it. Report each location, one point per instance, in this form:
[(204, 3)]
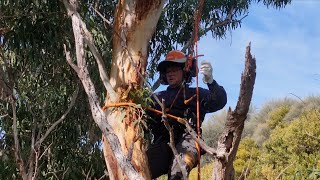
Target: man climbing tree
[(181, 101)]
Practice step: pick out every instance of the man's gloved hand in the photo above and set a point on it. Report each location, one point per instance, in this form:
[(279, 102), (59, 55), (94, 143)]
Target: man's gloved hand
[(206, 70)]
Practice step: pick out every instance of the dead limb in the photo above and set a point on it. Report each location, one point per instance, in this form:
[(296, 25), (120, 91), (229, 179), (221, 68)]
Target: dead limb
[(229, 140)]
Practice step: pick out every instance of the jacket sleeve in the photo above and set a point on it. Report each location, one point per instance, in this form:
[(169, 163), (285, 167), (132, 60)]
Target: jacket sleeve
[(213, 99)]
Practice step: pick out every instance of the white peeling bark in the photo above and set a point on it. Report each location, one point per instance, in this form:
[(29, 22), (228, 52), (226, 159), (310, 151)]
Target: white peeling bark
[(135, 23), (98, 115)]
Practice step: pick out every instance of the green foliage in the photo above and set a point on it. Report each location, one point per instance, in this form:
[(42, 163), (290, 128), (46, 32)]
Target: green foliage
[(141, 96), (206, 172), (276, 116), (292, 150), (247, 155)]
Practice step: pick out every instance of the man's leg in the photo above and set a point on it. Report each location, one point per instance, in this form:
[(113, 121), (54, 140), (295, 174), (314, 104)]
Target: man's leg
[(160, 158), (189, 154)]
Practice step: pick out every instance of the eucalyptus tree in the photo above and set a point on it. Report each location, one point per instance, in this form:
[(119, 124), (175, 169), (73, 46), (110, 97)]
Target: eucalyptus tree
[(107, 44), (43, 127)]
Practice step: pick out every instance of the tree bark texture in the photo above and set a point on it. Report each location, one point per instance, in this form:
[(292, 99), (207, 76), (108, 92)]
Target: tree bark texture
[(135, 23), (230, 138), (128, 171)]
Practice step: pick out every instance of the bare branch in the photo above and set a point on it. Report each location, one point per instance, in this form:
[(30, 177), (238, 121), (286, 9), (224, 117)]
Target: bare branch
[(64, 173), (200, 142), (44, 152), (172, 143), (104, 19), (309, 134), (101, 66), (2, 116), (279, 175), (33, 152), (31, 174), (72, 102), (68, 57), (156, 84), (17, 151), (103, 75)]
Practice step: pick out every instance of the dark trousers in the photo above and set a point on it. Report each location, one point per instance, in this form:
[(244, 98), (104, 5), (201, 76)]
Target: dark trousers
[(161, 160)]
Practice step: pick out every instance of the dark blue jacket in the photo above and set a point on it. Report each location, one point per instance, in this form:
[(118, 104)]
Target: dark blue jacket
[(212, 99)]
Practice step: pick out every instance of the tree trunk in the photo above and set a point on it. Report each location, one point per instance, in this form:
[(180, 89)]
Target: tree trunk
[(135, 23), (230, 138)]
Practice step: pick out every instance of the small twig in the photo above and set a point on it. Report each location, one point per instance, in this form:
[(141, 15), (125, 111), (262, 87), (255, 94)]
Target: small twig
[(172, 143), (102, 177), (104, 19), (3, 116), (87, 176), (44, 152), (68, 57), (36, 164), (279, 175), (307, 133), (191, 131), (17, 151), (200, 142), (64, 173), (105, 175)]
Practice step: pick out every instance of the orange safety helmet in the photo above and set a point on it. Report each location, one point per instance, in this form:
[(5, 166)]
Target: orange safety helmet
[(173, 57), (176, 58)]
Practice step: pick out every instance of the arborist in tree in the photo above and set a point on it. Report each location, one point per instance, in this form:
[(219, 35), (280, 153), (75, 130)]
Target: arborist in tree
[(181, 101)]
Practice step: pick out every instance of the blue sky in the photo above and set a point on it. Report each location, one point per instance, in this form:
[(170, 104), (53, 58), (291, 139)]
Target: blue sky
[(286, 44)]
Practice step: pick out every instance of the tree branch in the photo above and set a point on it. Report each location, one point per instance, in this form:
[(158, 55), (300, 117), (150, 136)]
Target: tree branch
[(72, 102), (17, 152), (90, 42), (190, 130), (101, 66), (68, 57), (172, 143)]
